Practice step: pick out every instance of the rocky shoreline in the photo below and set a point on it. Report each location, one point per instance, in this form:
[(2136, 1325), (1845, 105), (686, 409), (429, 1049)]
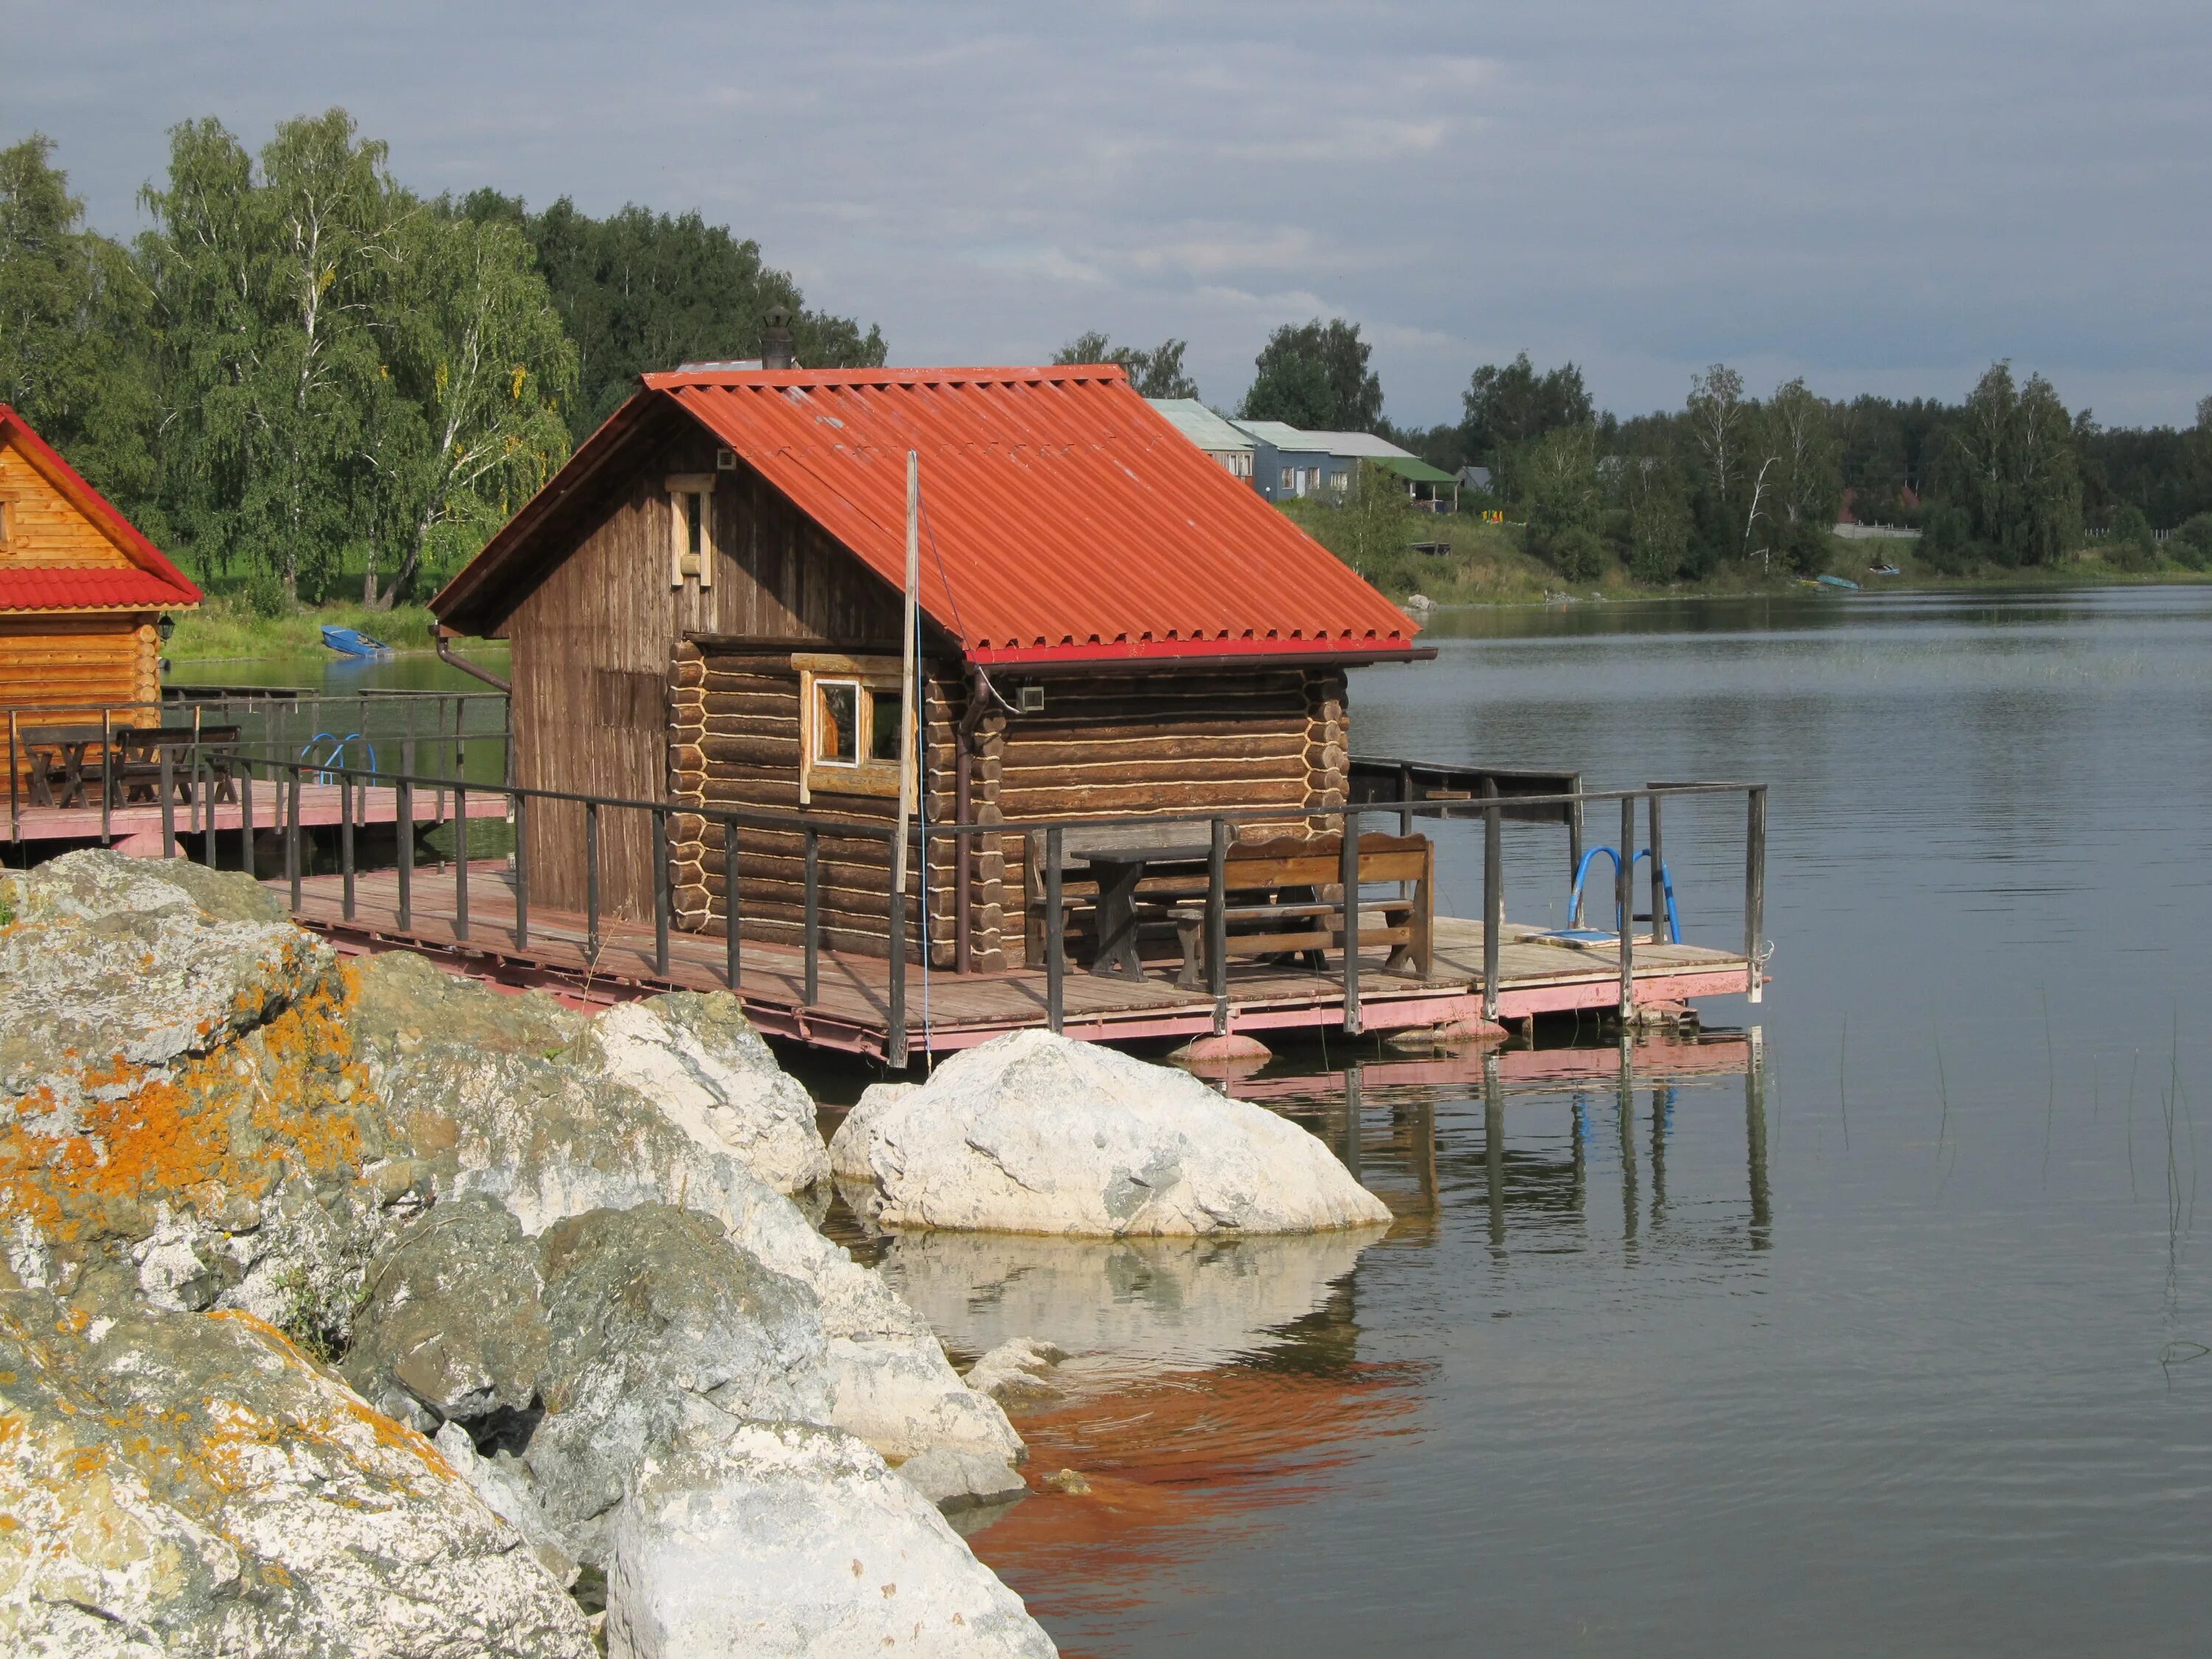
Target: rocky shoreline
[(351, 1308)]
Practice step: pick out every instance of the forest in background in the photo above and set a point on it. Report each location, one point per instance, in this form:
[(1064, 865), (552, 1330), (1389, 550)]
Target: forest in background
[(312, 384), (309, 383)]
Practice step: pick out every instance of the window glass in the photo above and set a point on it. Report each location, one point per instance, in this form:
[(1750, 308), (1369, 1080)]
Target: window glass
[(838, 723), (692, 502), (1290, 478), (884, 725)]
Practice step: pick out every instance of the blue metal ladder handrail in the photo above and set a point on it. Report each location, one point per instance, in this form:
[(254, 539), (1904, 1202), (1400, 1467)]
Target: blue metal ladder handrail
[(336, 758), (1621, 922)]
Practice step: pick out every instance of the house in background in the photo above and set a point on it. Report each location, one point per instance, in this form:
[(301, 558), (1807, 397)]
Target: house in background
[(81, 593), (1287, 463), (1233, 449)]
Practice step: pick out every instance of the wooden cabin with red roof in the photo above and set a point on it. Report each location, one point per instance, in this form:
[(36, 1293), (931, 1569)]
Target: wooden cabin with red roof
[(81, 593), (705, 606)]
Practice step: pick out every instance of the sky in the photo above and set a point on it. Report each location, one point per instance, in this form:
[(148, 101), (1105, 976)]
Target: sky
[(1878, 197)]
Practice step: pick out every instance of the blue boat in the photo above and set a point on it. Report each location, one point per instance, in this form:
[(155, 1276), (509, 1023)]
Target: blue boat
[(353, 643), (1824, 581)]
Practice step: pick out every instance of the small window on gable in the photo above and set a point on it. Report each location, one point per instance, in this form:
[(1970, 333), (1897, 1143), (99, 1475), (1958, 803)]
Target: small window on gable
[(691, 523)]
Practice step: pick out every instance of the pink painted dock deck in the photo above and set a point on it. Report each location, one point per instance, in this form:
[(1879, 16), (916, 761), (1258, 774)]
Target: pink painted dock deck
[(136, 829)]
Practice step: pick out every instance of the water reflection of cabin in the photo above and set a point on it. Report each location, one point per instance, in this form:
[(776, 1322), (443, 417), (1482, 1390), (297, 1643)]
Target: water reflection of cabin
[(705, 606)]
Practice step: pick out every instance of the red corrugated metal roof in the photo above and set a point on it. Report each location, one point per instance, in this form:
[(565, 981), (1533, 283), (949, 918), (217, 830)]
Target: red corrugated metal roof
[(49, 588), (153, 583), (1065, 517)]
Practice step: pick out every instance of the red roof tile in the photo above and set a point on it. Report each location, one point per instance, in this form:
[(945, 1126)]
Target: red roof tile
[(153, 582), (51, 588), (1064, 518)]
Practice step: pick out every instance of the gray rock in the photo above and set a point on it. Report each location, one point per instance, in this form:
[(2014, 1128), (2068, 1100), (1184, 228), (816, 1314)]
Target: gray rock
[(791, 1541), (509, 1097), (853, 1148), (954, 1479), (449, 1325), (504, 1483), (698, 1059), (1015, 1371), (1033, 1133), (182, 1120), (662, 1332), (190, 1484)]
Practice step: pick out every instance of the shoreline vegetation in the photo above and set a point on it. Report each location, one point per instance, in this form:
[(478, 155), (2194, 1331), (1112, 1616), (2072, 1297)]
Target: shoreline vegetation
[(1488, 565)]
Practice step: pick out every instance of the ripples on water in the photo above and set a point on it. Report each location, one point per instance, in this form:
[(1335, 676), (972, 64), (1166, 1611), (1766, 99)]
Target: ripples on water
[(1901, 1349)]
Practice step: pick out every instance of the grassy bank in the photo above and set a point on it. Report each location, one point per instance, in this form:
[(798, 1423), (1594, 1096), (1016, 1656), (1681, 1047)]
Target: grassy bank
[(222, 627), (1490, 564)]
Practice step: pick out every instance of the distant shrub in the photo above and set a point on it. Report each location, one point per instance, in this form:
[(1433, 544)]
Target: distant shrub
[(2192, 544), (264, 595), (1578, 553), (1947, 545), (2128, 544)]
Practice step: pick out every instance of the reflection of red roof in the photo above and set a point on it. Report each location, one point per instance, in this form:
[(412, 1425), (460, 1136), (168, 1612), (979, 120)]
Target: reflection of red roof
[(153, 584), (1065, 519)]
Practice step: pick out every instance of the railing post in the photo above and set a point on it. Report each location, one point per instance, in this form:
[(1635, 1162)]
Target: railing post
[(1493, 902), (730, 921), (660, 894), (1575, 850), (245, 814), (1405, 798), (345, 840), (461, 862), (520, 806), (1055, 924), (592, 884), (1347, 872), (107, 773), (1754, 889), (1658, 880), (292, 871), (814, 918), (895, 1045), (14, 785), (1217, 924), (169, 782), (1624, 898), (404, 821)]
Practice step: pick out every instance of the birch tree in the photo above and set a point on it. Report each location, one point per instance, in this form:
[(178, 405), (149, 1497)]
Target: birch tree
[(1717, 415)]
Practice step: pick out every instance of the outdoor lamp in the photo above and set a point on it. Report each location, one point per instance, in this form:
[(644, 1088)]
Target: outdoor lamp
[(165, 627)]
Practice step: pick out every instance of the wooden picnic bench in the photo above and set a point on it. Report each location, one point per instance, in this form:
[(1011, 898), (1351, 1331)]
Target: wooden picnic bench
[(1280, 897), (1284, 897), (137, 761)]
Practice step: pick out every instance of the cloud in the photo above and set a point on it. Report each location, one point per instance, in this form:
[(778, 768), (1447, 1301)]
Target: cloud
[(1870, 193)]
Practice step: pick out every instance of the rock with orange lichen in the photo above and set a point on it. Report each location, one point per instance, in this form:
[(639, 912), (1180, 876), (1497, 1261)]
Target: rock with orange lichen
[(182, 1120), (190, 1484)]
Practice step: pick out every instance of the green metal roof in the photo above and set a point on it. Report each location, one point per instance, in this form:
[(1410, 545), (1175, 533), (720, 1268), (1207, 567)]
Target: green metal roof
[(1418, 470)]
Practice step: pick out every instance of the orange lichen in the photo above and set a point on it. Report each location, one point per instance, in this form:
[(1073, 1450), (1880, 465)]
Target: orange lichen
[(145, 1138)]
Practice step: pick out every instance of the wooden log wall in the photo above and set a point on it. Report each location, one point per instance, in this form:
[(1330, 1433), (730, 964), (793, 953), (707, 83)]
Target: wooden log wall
[(734, 742)]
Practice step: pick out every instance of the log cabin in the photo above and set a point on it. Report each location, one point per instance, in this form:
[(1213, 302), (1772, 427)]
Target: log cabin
[(82, 591), (705, 607)]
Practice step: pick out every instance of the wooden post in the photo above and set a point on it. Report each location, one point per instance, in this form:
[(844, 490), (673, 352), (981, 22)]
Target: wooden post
[(292, 871), (1217, 924), (1055, 924), (813, 917), (592, 882), (404, 817), (660, 895), (895, 1037), (1493, 898), (168, 781), (1574, 849), (520, 805), (1754, 889), (1624, 898), (1405, 798), (1658, 880), (107, 773), (14, 787), (1347, 873), (245, 814), (730, 923), (460, 862), (345, 840)]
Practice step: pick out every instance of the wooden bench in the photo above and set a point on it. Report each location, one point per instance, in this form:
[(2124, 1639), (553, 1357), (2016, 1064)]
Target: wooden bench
[(1283, 897), (137, 761)]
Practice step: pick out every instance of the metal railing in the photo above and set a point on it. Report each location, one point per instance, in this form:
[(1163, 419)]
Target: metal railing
[(287, 778)]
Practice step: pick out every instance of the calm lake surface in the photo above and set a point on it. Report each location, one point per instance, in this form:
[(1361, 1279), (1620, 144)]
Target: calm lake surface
[(1901, 1353)]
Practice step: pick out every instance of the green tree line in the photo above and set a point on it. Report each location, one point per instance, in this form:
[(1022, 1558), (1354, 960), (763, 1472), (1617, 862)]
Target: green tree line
[(304, 376), (2007, 477)]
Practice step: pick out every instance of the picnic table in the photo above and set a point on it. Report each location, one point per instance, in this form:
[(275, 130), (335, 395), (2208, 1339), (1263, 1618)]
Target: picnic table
[(58, 754), (1120, 859)]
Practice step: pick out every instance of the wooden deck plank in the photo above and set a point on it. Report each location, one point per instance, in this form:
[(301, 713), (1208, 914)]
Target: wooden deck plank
[(321, 806)]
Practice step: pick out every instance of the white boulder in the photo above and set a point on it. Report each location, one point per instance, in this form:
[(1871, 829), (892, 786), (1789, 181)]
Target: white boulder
[(698, 1059), (1035, 1134), (796, 1541)]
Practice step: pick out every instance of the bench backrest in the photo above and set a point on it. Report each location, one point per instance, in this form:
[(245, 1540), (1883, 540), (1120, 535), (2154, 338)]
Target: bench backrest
[(1318, 861)]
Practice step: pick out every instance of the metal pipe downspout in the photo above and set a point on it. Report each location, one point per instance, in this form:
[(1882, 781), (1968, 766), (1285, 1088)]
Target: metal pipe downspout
[(443, 637)]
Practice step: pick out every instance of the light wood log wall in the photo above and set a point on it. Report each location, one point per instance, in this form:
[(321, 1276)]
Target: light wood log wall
[(44, 528), (74, 667)]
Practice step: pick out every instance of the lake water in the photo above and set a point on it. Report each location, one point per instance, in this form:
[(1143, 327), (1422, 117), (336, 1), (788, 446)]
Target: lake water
[(1904, 1352)]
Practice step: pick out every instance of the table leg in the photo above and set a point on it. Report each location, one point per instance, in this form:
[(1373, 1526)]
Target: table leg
[(1117, 921)]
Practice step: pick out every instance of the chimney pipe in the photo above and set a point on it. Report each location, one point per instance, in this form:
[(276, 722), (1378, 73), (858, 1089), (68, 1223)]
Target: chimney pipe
[(775, 339)]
